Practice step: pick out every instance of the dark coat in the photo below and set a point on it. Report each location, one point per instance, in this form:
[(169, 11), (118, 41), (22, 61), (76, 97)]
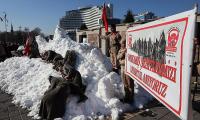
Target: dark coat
[(72, 75), (70, 58), (34, 51), (54, 100), (3, 53), (51, 56)]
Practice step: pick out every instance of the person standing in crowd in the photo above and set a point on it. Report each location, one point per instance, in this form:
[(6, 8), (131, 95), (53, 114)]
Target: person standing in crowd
[(127, 81), (114, 45)]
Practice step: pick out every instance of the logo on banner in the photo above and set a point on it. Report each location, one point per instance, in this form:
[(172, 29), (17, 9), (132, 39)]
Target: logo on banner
[(129, 41), (173, 36)]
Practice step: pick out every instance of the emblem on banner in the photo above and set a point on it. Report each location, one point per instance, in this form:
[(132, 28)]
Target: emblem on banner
[(173, 36), (129, 41)]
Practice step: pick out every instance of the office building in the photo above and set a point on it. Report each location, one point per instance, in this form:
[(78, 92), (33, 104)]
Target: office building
[(90, 16), (144, 17)]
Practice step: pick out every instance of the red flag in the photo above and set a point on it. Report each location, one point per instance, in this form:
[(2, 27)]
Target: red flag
[(27, 47), (104, 18)]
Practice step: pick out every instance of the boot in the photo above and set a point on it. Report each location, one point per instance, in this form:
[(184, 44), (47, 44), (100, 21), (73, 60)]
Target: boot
[(82, 98), (128, 95)]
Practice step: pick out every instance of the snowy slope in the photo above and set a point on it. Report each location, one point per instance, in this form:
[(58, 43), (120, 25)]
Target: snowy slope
[(27, 80)]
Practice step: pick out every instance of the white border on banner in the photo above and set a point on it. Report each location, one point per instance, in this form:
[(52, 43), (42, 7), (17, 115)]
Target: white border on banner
[(185, 111)]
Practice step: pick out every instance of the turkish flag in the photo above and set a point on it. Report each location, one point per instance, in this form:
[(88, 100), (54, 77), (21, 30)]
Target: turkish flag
[(104, 18), (27, 47)]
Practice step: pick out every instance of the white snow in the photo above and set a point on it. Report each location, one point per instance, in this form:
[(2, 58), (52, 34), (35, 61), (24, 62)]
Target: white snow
[(27, 80)]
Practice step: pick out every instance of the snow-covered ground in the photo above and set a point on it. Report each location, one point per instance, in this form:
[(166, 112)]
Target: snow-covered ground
[(27, 80)]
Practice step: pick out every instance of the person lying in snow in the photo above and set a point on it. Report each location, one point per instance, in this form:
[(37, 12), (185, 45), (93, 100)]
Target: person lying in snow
[(57, 60), (70, 58), (54, 99), (51, 56), (72, 75), (53, 103)]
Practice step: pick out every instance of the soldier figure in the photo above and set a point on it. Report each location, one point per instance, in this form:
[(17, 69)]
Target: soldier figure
[(114, 42), (127, 81), (70, 58), (54, 99), (51, 56)]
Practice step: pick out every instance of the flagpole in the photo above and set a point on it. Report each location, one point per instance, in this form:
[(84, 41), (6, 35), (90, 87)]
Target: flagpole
[(100, 33), (5, 20)]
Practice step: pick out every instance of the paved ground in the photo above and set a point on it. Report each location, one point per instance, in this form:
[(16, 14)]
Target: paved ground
[(158, 112), (9, 111)]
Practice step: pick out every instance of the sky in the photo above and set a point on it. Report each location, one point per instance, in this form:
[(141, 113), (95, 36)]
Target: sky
[(45, 14)]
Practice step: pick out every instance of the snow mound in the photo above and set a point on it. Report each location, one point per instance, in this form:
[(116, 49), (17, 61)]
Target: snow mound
[(27, 80)]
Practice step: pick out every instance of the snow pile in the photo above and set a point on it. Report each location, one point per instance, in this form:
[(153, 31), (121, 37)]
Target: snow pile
[(27, 80), (60, 33)]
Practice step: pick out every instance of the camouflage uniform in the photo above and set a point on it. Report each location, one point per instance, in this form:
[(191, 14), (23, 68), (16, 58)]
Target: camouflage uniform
[(114, 43), (127, 81)]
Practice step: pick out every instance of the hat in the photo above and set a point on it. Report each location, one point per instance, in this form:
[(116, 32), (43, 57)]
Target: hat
[(113, 26)]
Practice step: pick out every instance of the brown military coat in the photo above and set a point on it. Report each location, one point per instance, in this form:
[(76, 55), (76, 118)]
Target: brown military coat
[(121, 57), (114, 44)]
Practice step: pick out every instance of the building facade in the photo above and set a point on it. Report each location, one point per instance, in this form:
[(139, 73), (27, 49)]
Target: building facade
[(92, 37), (90, 16), (146, 16)]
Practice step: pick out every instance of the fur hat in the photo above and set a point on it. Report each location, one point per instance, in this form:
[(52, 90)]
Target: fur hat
[(113, 26)]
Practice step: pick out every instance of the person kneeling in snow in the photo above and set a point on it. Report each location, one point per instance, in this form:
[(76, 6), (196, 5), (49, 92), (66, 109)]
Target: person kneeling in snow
[(54, 99), (31, 47)]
